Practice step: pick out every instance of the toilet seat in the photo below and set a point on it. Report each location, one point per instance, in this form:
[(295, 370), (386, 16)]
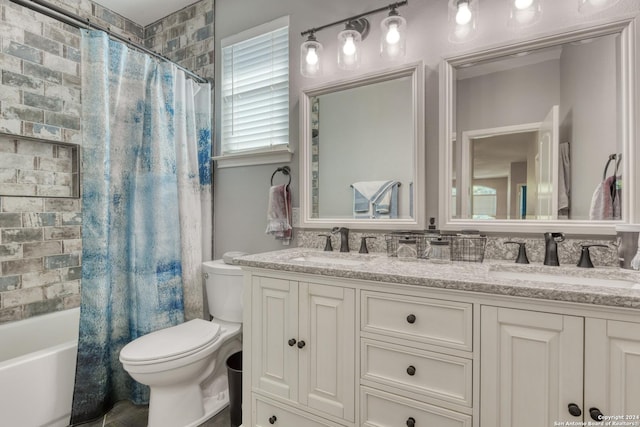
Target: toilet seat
[(171, 343)]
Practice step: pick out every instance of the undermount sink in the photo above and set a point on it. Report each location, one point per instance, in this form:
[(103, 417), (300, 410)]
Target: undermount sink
[(566, 279), (318, 259)]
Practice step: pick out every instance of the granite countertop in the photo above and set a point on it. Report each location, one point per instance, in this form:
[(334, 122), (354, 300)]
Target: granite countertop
[(491, 276)]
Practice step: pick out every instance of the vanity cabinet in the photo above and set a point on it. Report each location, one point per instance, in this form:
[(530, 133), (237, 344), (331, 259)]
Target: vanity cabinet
[(322, 351), (538, 368), (304, 342)]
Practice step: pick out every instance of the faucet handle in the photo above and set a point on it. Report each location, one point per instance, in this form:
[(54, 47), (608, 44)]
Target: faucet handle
[(585, 256), (327, 246), (522, 252), (558, 237), (363, 244)]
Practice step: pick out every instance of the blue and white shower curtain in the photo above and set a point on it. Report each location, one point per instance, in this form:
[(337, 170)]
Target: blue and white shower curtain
[(146, 206)]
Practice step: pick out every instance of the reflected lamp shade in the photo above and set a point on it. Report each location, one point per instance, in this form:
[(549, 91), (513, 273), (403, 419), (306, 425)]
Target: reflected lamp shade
[(349, 49), (393, 38), (524, 13), (311, 57), (592, 6), (463, 17)]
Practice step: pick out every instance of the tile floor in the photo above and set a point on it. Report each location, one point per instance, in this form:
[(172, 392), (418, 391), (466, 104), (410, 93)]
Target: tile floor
[(125, 414)]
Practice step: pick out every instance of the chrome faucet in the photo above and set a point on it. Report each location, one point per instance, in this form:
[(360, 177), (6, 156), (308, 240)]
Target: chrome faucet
[(551, 241), (344, 237)]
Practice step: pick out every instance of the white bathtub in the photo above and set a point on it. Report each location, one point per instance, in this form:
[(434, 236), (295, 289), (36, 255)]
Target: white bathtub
[(37, 369)]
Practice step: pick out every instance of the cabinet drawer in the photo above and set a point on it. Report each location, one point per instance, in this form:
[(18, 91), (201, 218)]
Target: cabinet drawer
[(380, 409), (436, 375), (270, 415), (431, 321)]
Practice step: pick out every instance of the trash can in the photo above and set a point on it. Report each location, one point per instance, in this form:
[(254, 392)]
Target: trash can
[(234, 373)]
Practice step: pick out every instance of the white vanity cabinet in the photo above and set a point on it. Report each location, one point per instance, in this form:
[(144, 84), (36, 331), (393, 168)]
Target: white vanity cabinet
[(303, 346), (538, 368), (324, 351)]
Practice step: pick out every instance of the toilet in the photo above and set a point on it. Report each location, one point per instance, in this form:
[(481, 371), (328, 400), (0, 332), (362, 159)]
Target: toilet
[(184, 365)]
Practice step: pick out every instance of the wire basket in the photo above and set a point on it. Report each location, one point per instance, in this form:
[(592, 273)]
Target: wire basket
[(469, 248), (401, 243)]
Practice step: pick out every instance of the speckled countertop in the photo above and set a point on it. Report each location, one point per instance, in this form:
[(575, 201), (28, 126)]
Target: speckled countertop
[(491, 277)]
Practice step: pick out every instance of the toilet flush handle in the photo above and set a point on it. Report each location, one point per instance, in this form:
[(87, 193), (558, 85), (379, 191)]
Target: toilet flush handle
[(205, 275)]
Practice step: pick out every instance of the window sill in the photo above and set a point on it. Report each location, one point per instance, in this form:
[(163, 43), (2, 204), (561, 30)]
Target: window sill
[(254, 158)]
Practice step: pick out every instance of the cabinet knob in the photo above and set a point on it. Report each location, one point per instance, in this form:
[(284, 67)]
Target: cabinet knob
[(596, 415), (411, 422), (411, 370), (411, 318), (574, 410), (301, 344), (292, 342), (272, 419)]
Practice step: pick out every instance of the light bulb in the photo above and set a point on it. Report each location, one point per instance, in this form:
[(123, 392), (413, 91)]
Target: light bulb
[(349, 47), (522, 4), (463, 16), (312, 56), (393, 35)]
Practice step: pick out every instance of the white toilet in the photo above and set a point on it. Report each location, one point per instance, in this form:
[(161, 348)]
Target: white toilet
[(184, 366)]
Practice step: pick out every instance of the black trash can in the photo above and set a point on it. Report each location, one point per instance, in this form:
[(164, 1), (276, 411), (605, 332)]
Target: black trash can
[(234, 372)]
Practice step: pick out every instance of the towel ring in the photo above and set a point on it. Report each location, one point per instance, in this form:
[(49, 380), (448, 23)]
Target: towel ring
[(286, 170), (606, 167)]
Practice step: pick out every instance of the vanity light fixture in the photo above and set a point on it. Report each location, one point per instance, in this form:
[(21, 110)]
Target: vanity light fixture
[(311, 57), (349, 41), (524, 13), (392, 42), (463, 15), (592, 6)]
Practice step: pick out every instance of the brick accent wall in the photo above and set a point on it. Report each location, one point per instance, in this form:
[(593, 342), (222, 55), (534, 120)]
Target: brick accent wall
[(40, 254), (186, 37), (40, 97)]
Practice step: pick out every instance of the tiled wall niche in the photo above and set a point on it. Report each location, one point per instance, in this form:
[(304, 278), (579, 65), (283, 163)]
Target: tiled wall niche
[(33, 167)]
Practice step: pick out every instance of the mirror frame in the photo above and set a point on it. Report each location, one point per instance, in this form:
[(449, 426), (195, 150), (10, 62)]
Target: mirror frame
[(631, 156), (416, 73)]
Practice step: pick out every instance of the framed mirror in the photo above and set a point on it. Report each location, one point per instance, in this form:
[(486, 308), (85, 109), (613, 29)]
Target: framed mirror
[(538, 136), (362, 152)]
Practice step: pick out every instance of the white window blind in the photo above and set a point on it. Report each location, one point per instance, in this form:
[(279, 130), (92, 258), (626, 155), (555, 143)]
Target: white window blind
[(255, 93)]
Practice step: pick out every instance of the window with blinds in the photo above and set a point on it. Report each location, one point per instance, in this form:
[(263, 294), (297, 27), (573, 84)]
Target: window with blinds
[(255, 90)]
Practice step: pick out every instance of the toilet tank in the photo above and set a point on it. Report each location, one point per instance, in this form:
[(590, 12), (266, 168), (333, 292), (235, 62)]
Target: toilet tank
[(223, 284)]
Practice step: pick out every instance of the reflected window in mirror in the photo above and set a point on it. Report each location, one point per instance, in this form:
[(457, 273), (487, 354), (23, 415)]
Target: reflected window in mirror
[(539, 124)]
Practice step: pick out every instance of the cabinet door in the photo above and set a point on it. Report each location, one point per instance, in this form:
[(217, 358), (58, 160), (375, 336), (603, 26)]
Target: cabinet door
[(531, 367), (327, 362), (612, 367), (275, 322)]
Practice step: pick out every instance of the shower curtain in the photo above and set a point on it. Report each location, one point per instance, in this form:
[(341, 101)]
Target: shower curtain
[(146, 206)]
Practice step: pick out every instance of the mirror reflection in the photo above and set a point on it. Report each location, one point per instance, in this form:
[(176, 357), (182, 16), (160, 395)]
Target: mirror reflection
[(362, 149), (538, 134)]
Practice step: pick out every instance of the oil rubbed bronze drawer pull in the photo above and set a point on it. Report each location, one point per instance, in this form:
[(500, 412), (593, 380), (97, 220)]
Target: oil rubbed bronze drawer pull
[(411, 370)]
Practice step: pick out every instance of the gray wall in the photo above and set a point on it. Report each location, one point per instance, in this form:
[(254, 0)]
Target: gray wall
[(241, 193)]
